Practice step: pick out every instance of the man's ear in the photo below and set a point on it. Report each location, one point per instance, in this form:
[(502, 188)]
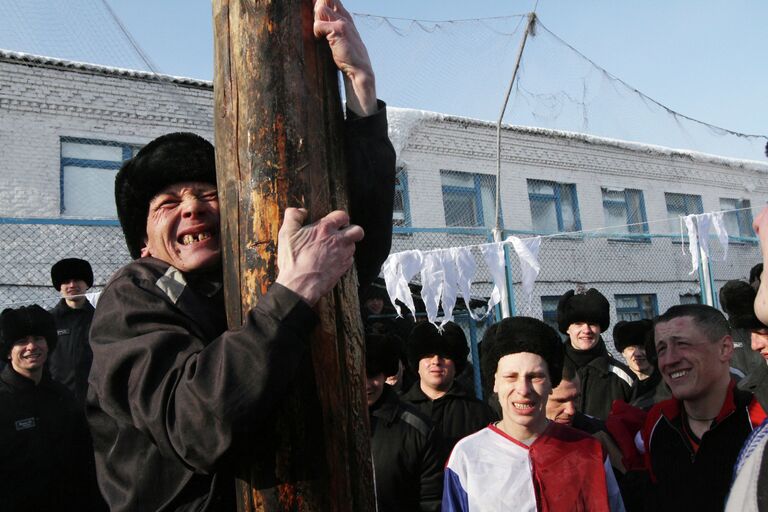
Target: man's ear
[(145, 250), (726, 349)]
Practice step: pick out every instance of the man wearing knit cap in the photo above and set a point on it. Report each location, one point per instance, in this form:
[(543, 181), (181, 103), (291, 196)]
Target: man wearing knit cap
[(71, 363), (630, 340), (438, 358), (46, 459), (525, 461), (408, 473), (583, 317), (176, 401)]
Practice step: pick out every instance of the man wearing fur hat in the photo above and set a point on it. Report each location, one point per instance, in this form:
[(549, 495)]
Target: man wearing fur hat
[(70, 364), (176, 400), (439, 358), (46, 459), (525, 461), (408, 473), (583, 317), (630, 340), (737, 301)]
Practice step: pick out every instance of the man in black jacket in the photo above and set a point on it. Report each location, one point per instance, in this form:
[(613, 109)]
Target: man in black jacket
[(409, 475), (438, 358), (630, 340), (71, 362), (46, 459), (692, 440), (176, 400), (583, 317)]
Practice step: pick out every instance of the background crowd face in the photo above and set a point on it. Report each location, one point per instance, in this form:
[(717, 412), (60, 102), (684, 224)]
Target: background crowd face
[(692, 365), (523, 385), (636, 359), (374, 387), (28, 355), (436, 372), (561, 405), (183, 226), (759, 342), (73, 290), (583, 335)]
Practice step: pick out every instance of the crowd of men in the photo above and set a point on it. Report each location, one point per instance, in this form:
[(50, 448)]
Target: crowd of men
[(149, 401)]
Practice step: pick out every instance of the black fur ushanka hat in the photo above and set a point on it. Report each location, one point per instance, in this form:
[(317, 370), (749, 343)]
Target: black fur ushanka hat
[(626, 334), (426, 340), (382, 355), (71, 268), (169, 159), (522, 334), (16, 324), (737, 299), (591, 307)]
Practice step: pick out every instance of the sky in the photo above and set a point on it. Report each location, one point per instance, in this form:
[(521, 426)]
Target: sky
[(702, 58)]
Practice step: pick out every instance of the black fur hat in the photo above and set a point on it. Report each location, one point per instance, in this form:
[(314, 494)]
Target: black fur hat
[(382, 355), (591, 307), (626, 334), (425, 339), (522, 334), (71, 268), (737, 299), (755, 274), (33, 320), (169, 159)]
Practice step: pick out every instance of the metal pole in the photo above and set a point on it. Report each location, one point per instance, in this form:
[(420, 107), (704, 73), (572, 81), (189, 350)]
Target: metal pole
[(497, 231)]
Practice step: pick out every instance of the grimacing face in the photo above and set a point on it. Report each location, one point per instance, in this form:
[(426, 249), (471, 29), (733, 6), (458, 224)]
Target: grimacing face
[(523, 385), (583, 335), (183, 226)]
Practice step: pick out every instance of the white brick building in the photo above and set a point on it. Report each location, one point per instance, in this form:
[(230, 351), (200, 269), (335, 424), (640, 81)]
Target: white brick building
[(65, 128)]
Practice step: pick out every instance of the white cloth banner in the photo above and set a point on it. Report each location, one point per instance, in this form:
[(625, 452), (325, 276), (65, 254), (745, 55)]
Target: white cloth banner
[(432, 277), (527, 250), (450, 284), (493, 254), (466, 269), (698, 235), (398, 270)]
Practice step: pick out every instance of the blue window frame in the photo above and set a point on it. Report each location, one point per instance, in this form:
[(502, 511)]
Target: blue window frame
[(554, 206), (636, 307), (624, 211), (681, 205), (401, 212), (469, 200), (549, 310), (739, 222), (690, 298), (88, 169)]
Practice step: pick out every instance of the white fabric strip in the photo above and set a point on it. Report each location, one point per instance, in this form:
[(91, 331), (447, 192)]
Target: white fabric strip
[(450, 283), (431, 284), (527, 250), (493, 254), (398, 270), (693, 243)]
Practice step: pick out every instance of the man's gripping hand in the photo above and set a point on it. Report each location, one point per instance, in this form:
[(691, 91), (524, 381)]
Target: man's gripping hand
[(333, 22), (311, 259)]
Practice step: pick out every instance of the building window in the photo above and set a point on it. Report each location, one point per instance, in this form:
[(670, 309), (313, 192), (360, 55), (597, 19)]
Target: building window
[(624, 211), (636, 307), (549, 310), (469, 200), (690, 298), (554, 207), (681, 205), (88, 169), (401, 213), (739, 222)]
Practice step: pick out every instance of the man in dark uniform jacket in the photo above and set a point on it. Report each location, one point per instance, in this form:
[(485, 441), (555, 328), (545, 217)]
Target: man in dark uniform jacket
[(439, 357), (71, 362), (583, 317), (734, 296), (409, 475), (176, 401), (46, 458)]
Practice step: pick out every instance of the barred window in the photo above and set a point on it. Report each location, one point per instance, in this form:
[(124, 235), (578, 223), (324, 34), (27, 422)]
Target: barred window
[(554, 207), (624, 211), (469, 200), (636, 307)]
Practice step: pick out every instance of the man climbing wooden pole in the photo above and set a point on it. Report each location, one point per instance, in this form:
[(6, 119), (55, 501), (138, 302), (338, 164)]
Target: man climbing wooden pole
[(282, 142)]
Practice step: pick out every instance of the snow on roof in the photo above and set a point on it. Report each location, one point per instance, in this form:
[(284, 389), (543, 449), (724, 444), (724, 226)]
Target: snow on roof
[(402, 122), (107, 70)]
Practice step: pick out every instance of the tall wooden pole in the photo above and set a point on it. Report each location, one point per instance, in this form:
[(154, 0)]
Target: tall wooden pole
[(278, 123)]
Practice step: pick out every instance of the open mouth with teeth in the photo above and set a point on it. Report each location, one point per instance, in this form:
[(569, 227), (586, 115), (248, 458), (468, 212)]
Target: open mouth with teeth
[(678, 374), (193, 238), (524, 407)]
